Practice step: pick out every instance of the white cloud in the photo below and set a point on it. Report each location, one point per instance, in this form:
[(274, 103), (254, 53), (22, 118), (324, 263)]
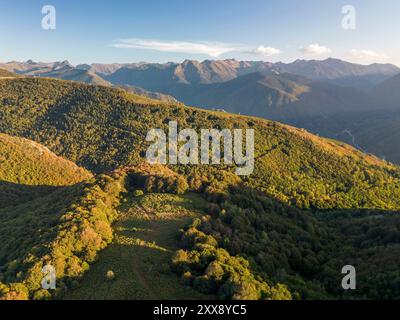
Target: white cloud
[(367, 55), (212, 49), (315, 49), (265, 51)]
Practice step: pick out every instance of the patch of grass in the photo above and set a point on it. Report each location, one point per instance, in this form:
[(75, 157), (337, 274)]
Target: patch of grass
[(145, 240)]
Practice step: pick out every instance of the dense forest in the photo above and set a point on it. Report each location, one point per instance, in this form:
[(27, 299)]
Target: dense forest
[(311, 206), (103, 129), (303, 250)]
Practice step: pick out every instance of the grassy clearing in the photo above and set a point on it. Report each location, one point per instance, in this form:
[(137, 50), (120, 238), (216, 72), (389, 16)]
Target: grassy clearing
[(145, 239)]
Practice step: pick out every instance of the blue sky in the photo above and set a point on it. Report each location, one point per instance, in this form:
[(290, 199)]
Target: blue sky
[(173, 30)]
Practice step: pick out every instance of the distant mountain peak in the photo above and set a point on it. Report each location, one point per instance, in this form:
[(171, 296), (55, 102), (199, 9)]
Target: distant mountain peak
[(85, 67), (63, 63)]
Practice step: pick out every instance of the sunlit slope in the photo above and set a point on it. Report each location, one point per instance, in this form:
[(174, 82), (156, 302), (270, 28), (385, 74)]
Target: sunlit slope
[(62, 227), (29, 170), (29, 163), (7, 74), (103, 129), (36, 189)]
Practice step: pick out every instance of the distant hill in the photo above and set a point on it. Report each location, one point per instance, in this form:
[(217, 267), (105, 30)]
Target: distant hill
[(30, 67), (60, 70), (101, 69), (27, 162), (76, 75), (387, 94), (320, 107), (378, 131), (284, 97), (341, 72), (89, 74), (332, 98), (374, 130), (149, 94), (6, 74)]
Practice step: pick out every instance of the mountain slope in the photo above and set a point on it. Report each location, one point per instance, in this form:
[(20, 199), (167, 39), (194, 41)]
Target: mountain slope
[(257, 92), (387, 93), (6, 74), (377, 130), (103, 129), (341, 72), (27, 162), (320, 107), (52, 212), (209, 71), (29, 170), (59, 70), (330, 103), (311, 206), (76, 75), (36, 187), (149, 94), (63, 228), (280, 96)]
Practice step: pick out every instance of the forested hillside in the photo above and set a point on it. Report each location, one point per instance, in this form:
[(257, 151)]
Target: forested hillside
[(311, 206), (36, 189), (6, 74), (103, 129), (29, 163)]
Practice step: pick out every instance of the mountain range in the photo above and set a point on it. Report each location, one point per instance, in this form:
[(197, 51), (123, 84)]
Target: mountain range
[(209, 71), (158, 77)]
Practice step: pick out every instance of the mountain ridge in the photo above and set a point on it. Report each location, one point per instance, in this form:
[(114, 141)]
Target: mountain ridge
[(213, 71)]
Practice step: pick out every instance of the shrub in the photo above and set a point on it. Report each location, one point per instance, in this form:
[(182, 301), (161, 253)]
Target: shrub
[(110, 275), (138, 193)]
